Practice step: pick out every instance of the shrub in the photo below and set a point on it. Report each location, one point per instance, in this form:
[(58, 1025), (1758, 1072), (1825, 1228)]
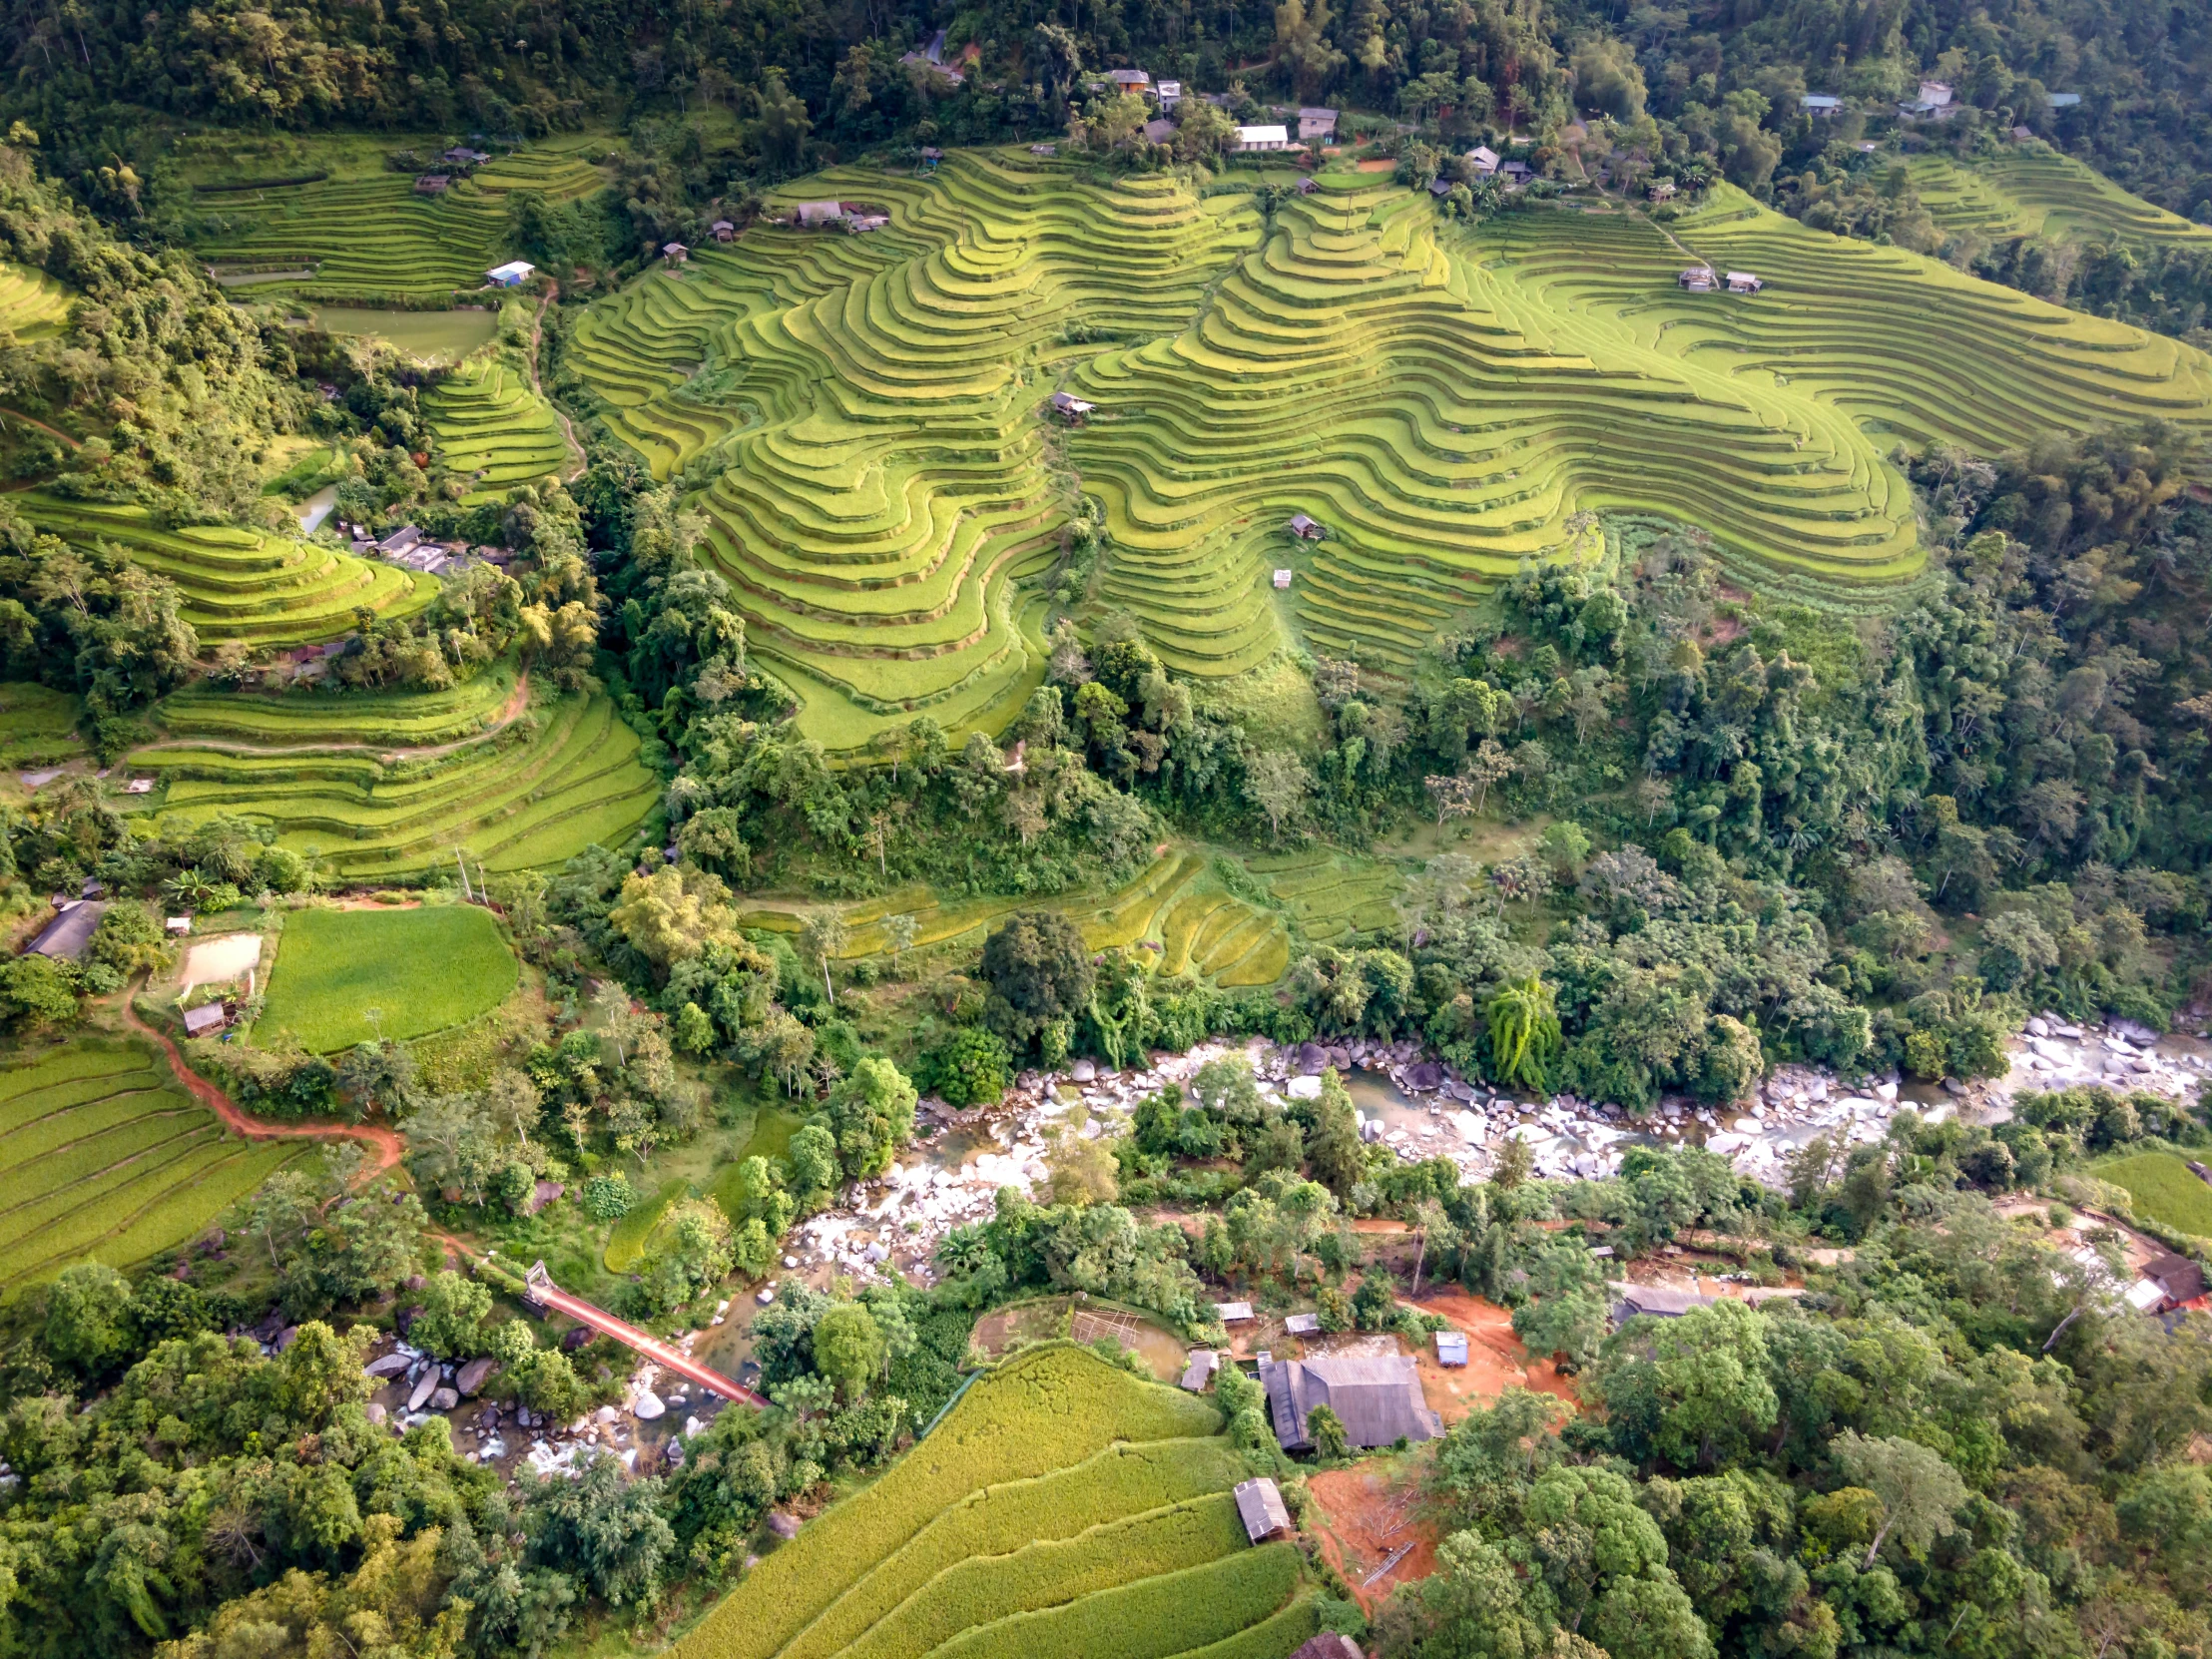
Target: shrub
[(608, 1196)]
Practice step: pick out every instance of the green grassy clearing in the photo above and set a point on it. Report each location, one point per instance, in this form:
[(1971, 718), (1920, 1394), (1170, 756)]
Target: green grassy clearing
[(2163, 1187), (38, 725), (420, 971), (448, 335)]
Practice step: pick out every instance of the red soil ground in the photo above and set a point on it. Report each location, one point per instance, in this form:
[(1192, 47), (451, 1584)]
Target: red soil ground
[(1368, 1511), (1497, 1361)]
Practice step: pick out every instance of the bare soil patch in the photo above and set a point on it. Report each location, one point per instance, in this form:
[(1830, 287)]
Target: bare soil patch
[(1496, 1358), (1368, 1512)]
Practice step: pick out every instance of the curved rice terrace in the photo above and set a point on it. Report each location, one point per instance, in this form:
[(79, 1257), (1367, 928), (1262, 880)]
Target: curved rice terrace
[(2031, 190), (530, 794), (240, 584), (870, 404), (859, 415), (33, 305), (372, 236), (103, 1155), (493, 429)]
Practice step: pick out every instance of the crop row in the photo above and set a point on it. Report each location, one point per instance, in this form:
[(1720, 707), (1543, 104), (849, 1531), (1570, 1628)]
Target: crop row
[(32, 304), (383, 719), (1152, 1618), (1043, 1410), (493, 428)]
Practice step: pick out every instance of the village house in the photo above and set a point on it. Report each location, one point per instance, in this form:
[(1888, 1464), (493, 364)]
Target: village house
[(723, 230), (1933, 103), (1071, 409), (2062, 100), (1483, 160), (1304, 528), (1515, 173), (1044, 149), (1743, 281), (1451, 1347), (1440, 186), (1657, 1302), (1661, 189), (462, 155), (1259, 1506), (1376, 1397), (2166, 1281), (1129, 80), (1170, 93), (512, 274), (399, 540), (1313, 122), (431, 184), (1302, 1324), (1820, 106), (1698, 279), (1233, 1313), (1200, 1372), (675, 253), (69, 936), (205, 1020), (1159, 130), (1262, 138)]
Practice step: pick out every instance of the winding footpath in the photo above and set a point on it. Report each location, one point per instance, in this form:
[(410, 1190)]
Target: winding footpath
[(384, 1141)]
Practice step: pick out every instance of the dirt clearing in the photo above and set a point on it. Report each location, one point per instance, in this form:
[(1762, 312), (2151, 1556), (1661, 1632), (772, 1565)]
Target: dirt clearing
[(1497, 1361), (1374, 1525)]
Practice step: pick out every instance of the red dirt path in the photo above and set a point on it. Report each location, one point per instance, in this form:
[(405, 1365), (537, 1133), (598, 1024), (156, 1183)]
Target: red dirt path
[(384, 1142), (1369, 1510)]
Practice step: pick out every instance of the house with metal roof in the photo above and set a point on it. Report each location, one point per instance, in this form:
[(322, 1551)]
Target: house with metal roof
[(1656, 1301), (69, 936), (1259, 1506), (1254, 138), (1377, 1397)]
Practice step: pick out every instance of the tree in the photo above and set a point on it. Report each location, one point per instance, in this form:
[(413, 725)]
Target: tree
[(821, 938), (600, 1526), (1278, 783), (1920, 1492), (1334, 1149), (1327, 1430), (452, 1316), (1525, 1034), (872, 1111), (814, 1160), (1040, 975), (848, 1347), (898, 933), (88, 1320)]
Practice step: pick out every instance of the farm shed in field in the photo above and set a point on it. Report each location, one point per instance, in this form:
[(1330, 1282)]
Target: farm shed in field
[(1698, 279), (1657, 1301), (1073, 410), (1044, 149), (1451, 1347), (462, 155), (1661, 189), (1306, 529), (1376, 1397), (69, 936), (1328, 1645), (1302, 1324), (820, 213), (1233, 1313), (1260, 1505), (1440, 186), (723, 230), (207, 1017), (512, 274), (1306, 187), (1743, 281), (675, 253), (1282, 580), (431, 184), (1200, 1372)]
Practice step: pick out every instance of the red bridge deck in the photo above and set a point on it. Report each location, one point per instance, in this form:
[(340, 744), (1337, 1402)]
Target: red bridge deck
[(546, 1293)]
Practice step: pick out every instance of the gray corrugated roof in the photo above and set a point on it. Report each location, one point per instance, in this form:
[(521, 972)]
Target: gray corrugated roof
[(1376, 1398), (69, 936), (1259, 1504)]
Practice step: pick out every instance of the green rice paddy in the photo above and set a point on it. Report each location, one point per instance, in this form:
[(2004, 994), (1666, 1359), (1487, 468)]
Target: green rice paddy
[(104, 1158), (383, 786), (863, 414), (2164, 1189), (493, 430), (240, 584), (345, 976), (38, 725), (433, 335), (33, 305), (2031, 190)]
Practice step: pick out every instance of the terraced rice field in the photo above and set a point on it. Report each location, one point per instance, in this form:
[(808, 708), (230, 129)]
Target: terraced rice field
[(493, 429), (33, 307), (533, 794), (104, 1157), (1062, 1510), (38, 725), (2031, 190), (240, 584), (345, 976), (871, 404), (862, 414), (1177, 911), (371, 236), (1331, 895)]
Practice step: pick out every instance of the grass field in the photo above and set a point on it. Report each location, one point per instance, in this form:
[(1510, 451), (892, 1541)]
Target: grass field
[(862, 418), (1062, 1507), (336, 776), (104, 1157), (345, 976), (2163, 1187), (238, 584)]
